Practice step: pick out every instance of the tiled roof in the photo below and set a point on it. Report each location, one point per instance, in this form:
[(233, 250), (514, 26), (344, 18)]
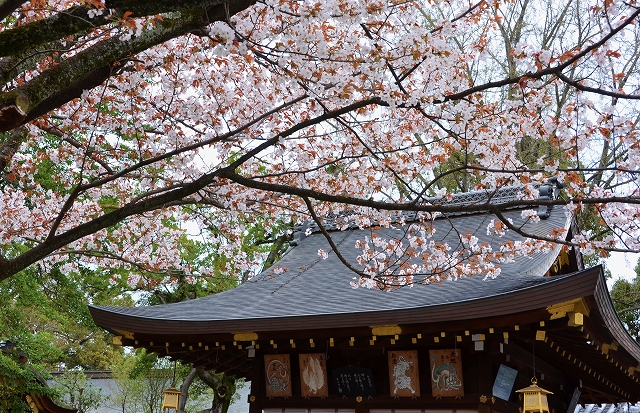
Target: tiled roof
[(312, 286), (608, 408)]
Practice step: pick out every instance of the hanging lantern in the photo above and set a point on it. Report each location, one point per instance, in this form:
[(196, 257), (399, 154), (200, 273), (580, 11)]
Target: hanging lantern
[(171, 398), (535, 398)]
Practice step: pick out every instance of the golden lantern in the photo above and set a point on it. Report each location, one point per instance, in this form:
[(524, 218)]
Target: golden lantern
[(171, 398), (535, 398)]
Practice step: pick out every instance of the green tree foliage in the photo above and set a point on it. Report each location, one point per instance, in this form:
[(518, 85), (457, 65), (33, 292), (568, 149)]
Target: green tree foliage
[(18, 378), (140, 379), (626, 299), (45, 315), (45, 311)]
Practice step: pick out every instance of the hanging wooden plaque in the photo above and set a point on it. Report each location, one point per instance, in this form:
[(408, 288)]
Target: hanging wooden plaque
[(313, 375), (278, 372), (404, 377), (446, 373)]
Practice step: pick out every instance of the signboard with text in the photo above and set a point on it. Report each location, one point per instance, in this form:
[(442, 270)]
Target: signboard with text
[(354, 381), (504, 382)]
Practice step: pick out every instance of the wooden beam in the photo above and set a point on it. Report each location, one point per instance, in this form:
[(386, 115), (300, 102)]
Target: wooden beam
[(526, 358)]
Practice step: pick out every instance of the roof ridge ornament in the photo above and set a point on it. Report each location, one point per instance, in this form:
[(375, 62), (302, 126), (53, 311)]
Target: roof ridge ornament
[(548, 191)]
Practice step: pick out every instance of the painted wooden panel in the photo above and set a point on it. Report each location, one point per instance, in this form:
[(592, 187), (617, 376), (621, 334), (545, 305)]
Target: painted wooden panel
[(446, 373), (313, 375), (404, 377), (278, 375)]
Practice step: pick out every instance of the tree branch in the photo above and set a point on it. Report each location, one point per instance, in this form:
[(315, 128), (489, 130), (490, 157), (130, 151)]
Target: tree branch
[(11, 146), (184, 388), (90, 68), (150, 8), (584, 88), (29, 36), (329, 239), (555, 70), (9, 6)]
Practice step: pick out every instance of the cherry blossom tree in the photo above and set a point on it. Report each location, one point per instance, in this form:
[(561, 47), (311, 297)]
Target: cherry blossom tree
[(129, 123)]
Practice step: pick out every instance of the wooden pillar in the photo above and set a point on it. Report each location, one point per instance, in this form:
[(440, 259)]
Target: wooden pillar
[(485, 380), (361, 408), (256, 384)]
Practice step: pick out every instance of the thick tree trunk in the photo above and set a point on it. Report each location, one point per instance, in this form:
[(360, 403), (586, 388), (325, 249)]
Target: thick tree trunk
[(184, 388), (9, 6), (9, 147), (223, 391), (29, 36)]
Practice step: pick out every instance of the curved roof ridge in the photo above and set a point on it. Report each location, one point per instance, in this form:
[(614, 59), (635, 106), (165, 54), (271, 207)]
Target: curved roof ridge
[(495, 196)]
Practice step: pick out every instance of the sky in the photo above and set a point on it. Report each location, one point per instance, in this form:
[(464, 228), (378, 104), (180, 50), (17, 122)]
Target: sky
[(621, 266)]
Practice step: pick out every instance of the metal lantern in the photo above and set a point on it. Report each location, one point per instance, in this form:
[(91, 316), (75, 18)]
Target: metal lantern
[(535, 398), (171, 398)]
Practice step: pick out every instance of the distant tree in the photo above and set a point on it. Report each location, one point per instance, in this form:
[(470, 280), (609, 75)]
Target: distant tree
[(76, 390), (46, 318), (137, 392)]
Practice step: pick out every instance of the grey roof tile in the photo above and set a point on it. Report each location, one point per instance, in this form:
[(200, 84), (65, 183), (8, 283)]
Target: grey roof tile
[(313, 286)]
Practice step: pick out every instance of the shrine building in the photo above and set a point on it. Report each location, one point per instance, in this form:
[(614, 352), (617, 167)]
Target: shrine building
[(36, 403), (309, 342)]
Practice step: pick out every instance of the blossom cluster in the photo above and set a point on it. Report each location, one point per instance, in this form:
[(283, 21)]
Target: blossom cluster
[(351, 103)]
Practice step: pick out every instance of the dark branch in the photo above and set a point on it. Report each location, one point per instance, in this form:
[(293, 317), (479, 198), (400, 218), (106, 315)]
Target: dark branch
[(579, 86), (29, 36), (9, 6), (150, 8)]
